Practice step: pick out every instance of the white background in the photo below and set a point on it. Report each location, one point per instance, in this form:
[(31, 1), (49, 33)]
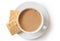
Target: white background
[(53, 7)]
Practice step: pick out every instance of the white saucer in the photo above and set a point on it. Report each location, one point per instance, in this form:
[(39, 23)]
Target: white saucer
[(45, 15)]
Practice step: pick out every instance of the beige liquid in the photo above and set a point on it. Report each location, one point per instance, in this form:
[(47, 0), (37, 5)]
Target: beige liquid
[(30, 20)]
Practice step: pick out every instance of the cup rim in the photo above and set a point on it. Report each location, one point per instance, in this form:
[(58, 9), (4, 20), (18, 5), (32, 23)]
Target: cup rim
[(32, 31), (40, 24)]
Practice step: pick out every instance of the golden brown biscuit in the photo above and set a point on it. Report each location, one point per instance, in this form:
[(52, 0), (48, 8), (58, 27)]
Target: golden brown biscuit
[(12, 25)]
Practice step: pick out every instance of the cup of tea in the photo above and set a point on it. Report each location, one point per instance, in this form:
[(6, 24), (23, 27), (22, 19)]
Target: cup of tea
[(30, 19)]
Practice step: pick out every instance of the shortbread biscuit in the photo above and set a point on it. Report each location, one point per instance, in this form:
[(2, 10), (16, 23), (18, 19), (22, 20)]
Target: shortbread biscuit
[(12, 25)]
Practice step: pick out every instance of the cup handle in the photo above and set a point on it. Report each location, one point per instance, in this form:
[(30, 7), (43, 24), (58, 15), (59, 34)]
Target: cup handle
[(44, 27)]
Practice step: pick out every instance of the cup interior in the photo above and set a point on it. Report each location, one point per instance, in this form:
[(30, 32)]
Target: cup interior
[(22, 29)]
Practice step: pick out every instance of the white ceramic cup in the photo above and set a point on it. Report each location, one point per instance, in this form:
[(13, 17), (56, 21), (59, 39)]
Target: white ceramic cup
[(42, 26)]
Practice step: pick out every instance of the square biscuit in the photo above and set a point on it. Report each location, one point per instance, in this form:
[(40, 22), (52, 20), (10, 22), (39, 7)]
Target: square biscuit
[(12, 25)]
